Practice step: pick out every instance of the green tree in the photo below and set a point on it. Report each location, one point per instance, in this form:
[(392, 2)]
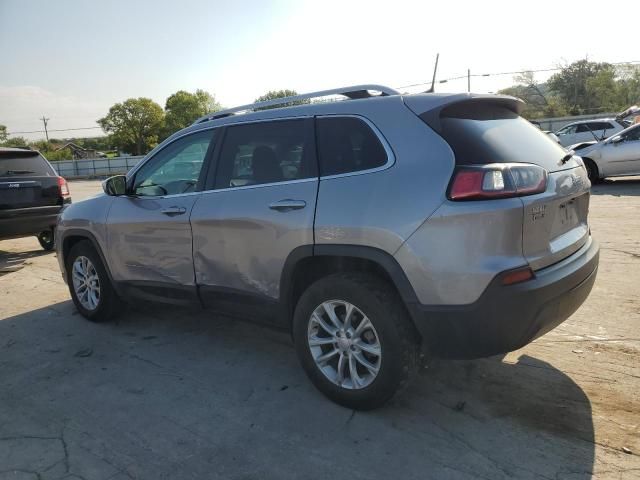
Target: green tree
[(183, 108), (92, 143), (571, 84), (3, 133), (18, 142), (273, 94), (40, 145), (134, 125), (555, 107), (50, 150), (539, 102), (629, 84), (54, 155), (604, 90)]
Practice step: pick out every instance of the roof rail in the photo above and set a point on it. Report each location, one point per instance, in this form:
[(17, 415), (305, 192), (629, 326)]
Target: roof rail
[(356, 91)]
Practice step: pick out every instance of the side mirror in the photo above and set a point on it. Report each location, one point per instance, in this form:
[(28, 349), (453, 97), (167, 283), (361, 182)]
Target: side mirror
[(616, 140), (115, 186)]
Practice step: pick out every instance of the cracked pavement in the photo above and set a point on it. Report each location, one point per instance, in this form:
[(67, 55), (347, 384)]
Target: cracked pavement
[(180, 394)]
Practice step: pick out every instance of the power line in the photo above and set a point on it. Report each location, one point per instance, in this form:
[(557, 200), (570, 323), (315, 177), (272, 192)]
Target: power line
[(495, 74), (54, 130)]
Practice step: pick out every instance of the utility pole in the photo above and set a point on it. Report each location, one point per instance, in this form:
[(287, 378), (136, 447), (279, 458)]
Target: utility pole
[(44, 121), (468, 80)]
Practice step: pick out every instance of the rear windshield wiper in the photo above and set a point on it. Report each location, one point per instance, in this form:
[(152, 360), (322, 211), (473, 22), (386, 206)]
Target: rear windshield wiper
[(18, 172), (567, 157)]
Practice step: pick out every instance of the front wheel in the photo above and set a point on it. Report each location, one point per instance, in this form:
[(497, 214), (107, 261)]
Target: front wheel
[(89, 284), (47, 240), (354, 339)]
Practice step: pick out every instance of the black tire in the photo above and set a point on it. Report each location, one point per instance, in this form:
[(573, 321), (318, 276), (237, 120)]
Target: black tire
[(47, 240), (109, 304), (381, 304), (592, 171)]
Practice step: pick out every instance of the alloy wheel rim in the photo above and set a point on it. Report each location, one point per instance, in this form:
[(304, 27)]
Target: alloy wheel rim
[(344, 344), (86, 283)]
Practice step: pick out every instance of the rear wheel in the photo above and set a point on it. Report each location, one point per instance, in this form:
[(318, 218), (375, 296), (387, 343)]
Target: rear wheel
[(46, 239), (354, 339), (89, 284), (592, 170)]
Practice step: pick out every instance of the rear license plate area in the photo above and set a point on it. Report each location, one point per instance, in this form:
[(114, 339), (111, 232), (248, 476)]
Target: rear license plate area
[(570, 214), (18, 194)]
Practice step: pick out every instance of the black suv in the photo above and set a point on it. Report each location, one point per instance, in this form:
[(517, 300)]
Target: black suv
[(31, 196)]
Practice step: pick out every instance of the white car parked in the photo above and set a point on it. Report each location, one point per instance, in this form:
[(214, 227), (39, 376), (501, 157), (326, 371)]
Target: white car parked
[(616, 156), (589, 130), (595, 130)]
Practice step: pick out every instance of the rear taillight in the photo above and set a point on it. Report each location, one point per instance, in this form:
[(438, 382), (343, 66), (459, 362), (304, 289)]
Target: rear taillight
[(497, 180), (63, 187)]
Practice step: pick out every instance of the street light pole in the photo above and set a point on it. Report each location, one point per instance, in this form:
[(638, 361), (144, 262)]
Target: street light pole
[(468, 80)]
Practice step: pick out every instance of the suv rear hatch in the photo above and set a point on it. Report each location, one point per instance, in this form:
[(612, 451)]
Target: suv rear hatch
[(485, 131), (27, 180)]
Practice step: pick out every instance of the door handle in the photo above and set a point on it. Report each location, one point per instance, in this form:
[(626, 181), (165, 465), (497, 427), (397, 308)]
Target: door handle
[(287, 204), (173, 211)]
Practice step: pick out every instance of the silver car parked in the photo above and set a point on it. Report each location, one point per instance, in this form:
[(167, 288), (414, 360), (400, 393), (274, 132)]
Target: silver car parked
[(616, 156), (378, 230)]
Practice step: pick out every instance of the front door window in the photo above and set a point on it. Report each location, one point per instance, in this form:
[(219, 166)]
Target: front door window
[(176, 169)]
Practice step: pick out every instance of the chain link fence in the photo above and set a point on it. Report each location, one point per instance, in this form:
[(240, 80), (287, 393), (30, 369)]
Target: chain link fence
[(95, 167)]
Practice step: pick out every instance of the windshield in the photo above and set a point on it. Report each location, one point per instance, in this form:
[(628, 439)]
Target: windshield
[(566, 130), (24, 164)]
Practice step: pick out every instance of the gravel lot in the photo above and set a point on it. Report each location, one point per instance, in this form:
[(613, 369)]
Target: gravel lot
[(169, 393)]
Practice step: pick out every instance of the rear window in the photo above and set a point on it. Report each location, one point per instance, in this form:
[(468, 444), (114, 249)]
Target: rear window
[(26, 164), (481, 133), (347, 144)]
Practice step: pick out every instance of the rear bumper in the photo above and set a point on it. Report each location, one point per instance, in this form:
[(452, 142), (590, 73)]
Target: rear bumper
[(23, 222), (506, 318)]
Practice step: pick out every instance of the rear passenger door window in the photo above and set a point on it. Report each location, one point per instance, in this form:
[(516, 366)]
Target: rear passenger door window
[(266, 152), (347, 144)]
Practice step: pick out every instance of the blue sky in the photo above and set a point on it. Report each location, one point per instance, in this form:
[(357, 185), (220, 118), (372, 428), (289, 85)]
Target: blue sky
[(71, 59)]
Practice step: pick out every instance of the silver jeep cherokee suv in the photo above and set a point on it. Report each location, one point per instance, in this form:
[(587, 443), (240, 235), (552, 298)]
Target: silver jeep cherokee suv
[(376, 229)]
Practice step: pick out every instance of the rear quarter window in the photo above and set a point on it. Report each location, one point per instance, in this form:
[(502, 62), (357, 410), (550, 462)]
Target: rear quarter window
[(24, 164), (347, 144)]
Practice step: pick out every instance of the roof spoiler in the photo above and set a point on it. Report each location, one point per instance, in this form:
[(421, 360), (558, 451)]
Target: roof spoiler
[(431, 113)]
